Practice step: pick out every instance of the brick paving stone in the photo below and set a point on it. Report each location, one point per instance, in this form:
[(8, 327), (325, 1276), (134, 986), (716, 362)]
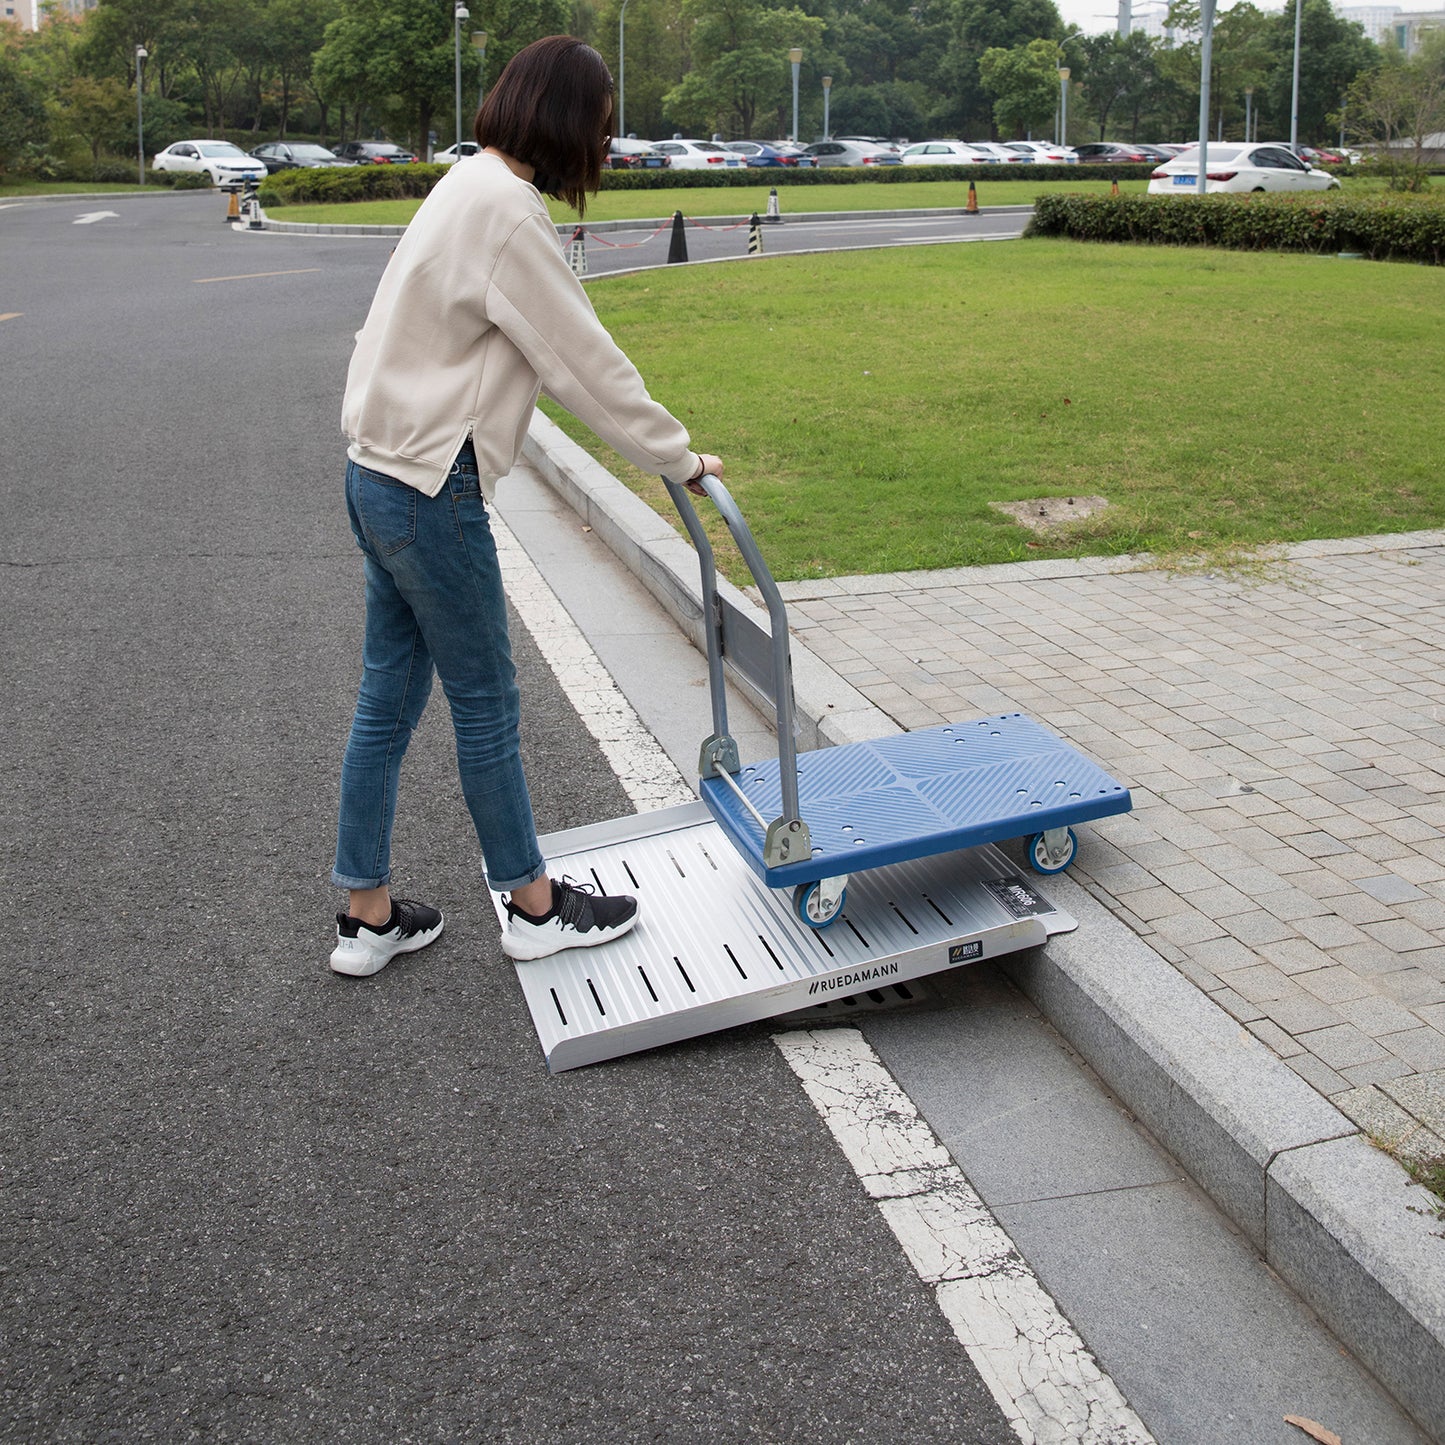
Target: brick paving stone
[(1330, 931), (1424, 1097), (1318, 1074), (1400, 935), (1379, 1071), (1258, 927), (1353, 866), (1359, 908), (1235, 1006), (1320, 883), (1320, 845), (1188, 928), (1369, 959), (1382, 848), (1300, 1015), (1429, 913), (1292, 904), (1284, 1045), (1342, 1046), (1334, 985), (1376, 1015), (1295, 955), (1260, 983), (1434, 1015), (1422, 1048), (1377, 1114)]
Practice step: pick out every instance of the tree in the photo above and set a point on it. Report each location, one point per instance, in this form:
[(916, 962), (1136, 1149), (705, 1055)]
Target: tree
[(1119, 71), (1024, 82), (976, 26), (655, 52), (100, 112), (740, 64), (23, 120), (1332, 53), (887, 110), (1394, 109)]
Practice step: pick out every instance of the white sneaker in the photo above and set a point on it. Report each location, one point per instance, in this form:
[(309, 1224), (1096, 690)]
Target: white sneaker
[(362, 950), (578, 918)]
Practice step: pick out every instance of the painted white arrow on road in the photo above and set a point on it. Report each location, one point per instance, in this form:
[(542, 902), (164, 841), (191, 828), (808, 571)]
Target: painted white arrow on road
[(91, 217)]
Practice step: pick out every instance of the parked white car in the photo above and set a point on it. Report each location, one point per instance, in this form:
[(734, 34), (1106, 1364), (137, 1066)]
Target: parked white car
[(1043, 152), (998, 152), (699, 155), (1235, 168), (946, 153), (219, 159), (454, 153)]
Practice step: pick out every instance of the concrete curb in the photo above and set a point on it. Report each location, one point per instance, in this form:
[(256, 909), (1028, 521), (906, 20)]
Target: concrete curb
[(1339, 1220), (98, 195)]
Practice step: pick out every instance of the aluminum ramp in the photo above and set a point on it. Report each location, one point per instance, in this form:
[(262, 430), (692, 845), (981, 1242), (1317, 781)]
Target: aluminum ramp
[(714, 947)]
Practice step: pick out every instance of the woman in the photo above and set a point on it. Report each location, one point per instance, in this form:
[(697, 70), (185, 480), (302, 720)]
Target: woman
[(476, 312)]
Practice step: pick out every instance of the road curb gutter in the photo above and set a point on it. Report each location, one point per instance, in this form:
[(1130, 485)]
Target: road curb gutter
[(1338, 1219)]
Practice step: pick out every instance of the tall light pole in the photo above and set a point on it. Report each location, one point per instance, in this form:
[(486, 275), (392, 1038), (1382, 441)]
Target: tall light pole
[(461, 13), (1299, 10), (1248, 112), (140, 131), (621, 74), (1206, 62), (827, 86), (1063, 105), (479, 41), (796, 56)]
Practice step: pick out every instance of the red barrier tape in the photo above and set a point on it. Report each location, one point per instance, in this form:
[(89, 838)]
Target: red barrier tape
[(667, 225)]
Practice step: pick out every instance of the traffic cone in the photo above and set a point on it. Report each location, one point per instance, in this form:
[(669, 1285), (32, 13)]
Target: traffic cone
[(578, 252), (233, 204), (755, 236), (774, 214), (677, 251), (972, 207), (1114, 188)]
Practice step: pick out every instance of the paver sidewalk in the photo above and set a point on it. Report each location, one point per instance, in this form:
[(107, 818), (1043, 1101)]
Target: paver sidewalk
[(1284, 739)]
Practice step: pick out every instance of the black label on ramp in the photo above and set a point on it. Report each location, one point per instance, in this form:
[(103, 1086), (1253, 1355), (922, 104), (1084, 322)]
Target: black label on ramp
[(1020, 898), (965, 952)]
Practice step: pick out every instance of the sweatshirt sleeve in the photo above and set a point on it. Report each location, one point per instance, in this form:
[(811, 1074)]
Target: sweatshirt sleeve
[(538, 302)]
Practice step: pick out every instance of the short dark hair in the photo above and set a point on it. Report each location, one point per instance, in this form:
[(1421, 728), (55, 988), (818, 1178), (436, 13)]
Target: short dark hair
[(551, 109)]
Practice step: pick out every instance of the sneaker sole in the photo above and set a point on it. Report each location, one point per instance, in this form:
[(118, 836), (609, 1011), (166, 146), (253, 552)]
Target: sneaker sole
[(355, 964), (526, 950)]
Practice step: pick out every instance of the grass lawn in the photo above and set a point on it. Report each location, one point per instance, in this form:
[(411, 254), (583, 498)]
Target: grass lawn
[(870, 405), (11, 189)]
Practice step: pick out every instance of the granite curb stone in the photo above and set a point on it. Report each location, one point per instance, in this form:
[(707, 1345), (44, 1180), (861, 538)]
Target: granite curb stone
[(1339, 1219)]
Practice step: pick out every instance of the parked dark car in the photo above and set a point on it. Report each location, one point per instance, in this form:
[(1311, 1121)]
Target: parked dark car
[(758, 153), (1109, 152), (373, 153), (281, 155), (627, 154)]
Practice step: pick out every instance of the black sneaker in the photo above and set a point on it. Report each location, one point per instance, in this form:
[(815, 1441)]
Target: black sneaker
[(363, 949), (578, 918)]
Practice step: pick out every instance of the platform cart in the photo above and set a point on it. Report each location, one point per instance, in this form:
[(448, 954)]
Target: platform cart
[(810, 876)]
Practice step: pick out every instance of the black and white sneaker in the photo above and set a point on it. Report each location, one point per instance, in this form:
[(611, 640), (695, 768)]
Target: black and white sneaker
[(578, 918), (362, 949)]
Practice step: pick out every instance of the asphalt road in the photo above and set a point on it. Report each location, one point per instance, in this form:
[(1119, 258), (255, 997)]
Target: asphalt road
[(245, 1199)]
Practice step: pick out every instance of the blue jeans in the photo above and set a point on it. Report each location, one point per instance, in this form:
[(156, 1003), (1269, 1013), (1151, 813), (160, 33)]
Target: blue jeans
[(434, 599)]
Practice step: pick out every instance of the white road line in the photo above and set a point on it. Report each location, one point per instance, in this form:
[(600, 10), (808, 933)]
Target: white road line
[(641, 766), (1038, 1369), (1048, 1385), (91, 217)]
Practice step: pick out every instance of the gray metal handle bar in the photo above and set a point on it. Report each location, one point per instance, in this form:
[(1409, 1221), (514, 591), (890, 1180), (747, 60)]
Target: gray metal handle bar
[(782, 669)]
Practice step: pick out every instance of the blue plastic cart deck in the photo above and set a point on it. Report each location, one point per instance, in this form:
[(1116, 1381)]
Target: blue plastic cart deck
[(900, 798)]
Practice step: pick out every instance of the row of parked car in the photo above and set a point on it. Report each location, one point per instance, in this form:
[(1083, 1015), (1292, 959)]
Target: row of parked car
[(1270, 166)]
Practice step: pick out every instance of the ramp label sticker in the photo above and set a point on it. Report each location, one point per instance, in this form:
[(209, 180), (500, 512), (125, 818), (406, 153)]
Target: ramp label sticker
[(1017, 896), (965, 952)]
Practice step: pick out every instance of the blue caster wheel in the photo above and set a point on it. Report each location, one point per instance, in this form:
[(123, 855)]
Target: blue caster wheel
[(1053, 851), (817, 904)]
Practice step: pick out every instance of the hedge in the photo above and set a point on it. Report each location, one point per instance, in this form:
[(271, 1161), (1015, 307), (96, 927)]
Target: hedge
[(1388, 227), (367, 183)]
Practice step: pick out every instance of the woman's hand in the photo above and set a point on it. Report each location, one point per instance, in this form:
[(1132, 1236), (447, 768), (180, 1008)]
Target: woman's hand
[(711, 467)]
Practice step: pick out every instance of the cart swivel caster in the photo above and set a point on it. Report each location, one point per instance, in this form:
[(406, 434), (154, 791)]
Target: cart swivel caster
[(1053, 851), (818, 904)]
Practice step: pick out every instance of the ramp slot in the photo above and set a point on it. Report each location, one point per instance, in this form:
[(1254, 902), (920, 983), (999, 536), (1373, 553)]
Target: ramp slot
[(648, 982), (558, 1002), (631, 876), (708, 856), (856, 934), (768, 948), (597, 880), (902, 915), (903, 991), (683, 972), (822, 942), (734, 958), (676, 864), (595, 999), (937, 909)]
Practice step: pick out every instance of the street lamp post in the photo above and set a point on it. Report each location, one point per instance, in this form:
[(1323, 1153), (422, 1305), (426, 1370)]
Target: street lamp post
[(796, 56), (1248, 112), (140, 131), (1299, 9), (461, 13), (479, 41), (1206, 61), (1063, 105), (621, 74), (827, 86)]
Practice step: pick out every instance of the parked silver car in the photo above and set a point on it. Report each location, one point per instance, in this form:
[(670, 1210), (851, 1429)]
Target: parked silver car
[(852, 153)]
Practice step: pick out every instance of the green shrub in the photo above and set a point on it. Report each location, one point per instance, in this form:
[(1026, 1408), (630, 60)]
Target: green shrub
[(350, 183), (1382, 227), (180, 180), (112, 170)]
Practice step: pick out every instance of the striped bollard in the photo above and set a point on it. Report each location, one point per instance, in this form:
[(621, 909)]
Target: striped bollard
[(578, 252), (755, 236)]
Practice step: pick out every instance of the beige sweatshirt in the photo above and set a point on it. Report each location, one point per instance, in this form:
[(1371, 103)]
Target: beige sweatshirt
[(478, 311)]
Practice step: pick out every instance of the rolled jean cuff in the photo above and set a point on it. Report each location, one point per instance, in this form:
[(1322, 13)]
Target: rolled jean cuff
[(540, 871), (358, 885)]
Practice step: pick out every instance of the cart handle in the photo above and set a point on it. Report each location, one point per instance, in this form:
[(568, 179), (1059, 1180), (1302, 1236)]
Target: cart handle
[(782, 697)]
